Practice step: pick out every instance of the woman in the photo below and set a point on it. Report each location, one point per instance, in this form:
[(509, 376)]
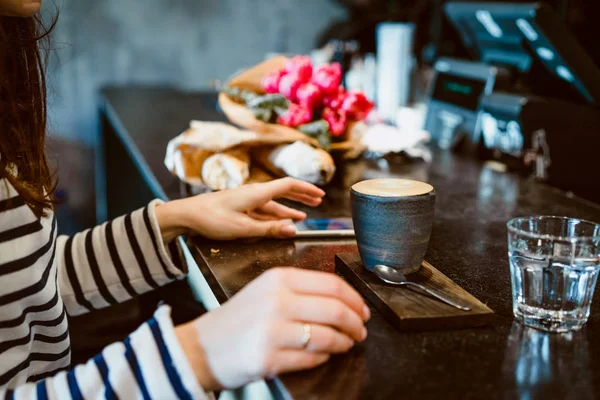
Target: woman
[(285, 320)]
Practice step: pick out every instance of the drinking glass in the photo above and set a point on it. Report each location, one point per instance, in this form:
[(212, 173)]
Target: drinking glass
[(554, 263)]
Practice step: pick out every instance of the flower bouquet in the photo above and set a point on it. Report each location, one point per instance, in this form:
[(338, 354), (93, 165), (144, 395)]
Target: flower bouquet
[(292, 98)]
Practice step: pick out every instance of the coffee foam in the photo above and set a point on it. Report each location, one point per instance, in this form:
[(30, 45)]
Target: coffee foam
[(392, 187)]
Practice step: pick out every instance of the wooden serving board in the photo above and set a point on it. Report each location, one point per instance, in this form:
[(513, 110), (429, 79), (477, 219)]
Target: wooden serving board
[(408, 308)]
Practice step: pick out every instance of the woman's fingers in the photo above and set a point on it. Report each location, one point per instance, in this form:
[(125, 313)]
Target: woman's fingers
[(280, 211), (303, 198), (283, 361), (261, 216), (326, 284), (295, 190), (273, 229), (323, 339), (281, 187), (253, 196), (330, 312)]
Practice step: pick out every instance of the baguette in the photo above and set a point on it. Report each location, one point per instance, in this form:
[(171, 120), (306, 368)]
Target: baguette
[(186, 163), (297, 160), (259, 175), (227, 170)]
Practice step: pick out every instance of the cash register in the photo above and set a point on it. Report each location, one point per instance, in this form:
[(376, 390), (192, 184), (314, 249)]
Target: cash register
[(544, 117)]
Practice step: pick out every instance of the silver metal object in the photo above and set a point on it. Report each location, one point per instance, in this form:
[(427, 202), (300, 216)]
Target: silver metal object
[(395, 277), (542, 152), (306, 335)]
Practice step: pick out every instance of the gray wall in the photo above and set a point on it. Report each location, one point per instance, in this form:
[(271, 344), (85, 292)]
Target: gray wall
[(185, 43)]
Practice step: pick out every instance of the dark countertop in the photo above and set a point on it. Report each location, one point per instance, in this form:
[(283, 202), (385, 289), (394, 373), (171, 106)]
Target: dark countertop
[(468, 245)]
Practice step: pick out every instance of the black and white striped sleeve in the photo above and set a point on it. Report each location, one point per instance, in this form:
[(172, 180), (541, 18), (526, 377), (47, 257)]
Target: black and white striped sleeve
[(115, 261), (148, 364)]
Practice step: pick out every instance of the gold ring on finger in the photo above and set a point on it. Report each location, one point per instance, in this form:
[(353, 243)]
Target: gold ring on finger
[(307, 333)]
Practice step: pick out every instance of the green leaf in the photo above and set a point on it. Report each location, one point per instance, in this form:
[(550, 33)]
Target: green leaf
[(280, 110), (262, 114), (314, 129), (324, 140), (240, 95), (269, 101)]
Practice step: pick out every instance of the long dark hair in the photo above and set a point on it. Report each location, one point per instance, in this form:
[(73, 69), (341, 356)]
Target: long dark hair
[(23, 160)]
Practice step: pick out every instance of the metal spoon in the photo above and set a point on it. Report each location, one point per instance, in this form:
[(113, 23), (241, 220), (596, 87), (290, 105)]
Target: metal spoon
[(395, 277)]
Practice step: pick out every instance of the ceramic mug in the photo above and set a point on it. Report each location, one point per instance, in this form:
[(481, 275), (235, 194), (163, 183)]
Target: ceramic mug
[(392, 219)]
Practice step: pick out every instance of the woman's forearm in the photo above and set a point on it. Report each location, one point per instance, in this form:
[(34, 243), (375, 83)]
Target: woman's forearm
[(170, 221), (188, 339)]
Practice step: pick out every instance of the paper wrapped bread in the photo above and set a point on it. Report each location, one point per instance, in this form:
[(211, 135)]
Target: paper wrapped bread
[(227, 170), (213, 136), (297, 160), (185, 161), (217, 155)]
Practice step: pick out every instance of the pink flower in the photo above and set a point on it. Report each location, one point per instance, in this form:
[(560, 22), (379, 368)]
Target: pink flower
[(337, 121), (328, 77), (356, 105), (289, 84), (271, 82), (309, 96), (301, 65), (295, 115), (334, 100)]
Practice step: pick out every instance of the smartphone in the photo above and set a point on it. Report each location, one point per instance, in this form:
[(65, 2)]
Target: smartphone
[(325, 227)]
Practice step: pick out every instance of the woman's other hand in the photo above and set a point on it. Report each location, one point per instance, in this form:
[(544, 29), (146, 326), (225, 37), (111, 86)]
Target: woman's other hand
[(259, 332), (248, 211)]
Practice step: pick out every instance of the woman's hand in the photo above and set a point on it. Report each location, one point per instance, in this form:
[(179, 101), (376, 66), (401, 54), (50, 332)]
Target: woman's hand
[(248, 211), (259, 332)]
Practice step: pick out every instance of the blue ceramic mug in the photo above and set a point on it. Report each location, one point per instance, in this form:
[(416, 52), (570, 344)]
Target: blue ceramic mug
[(392, 220)]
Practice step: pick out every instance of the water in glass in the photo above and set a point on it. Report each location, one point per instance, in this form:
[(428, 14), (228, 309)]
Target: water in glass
[(553, 279)]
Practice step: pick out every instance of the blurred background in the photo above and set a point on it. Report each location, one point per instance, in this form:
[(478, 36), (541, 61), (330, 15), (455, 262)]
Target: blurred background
[(189, 44), (197, 44)]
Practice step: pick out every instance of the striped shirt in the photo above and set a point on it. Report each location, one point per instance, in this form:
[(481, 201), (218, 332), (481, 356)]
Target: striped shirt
[(44, 277)]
